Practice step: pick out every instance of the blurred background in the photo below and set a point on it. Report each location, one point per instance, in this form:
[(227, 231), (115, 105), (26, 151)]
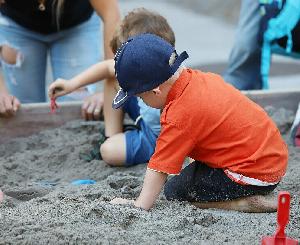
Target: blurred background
[(206, 29)]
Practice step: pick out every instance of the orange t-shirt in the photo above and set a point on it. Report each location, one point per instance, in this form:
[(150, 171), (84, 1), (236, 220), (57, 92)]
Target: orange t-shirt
[(212, 122)]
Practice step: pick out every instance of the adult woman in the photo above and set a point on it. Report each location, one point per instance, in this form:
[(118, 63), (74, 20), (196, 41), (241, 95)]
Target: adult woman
[(67, 30)]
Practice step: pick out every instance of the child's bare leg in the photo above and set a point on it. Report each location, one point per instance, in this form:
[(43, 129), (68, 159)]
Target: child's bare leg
[(113, 150), (251, 204), (113, 119), (200, 182)]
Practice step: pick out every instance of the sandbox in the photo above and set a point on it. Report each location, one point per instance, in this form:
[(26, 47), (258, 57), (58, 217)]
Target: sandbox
[(39, 158)]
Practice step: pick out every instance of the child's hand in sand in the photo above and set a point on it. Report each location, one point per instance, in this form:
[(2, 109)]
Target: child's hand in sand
[(122, 201), (61, 87)]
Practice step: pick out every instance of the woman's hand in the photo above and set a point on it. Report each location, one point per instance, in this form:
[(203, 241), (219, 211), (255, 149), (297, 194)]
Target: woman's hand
[(8, 105), (92, 107), (60, 87)]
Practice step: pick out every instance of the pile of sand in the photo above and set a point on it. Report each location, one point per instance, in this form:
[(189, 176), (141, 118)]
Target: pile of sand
[(42, 206)]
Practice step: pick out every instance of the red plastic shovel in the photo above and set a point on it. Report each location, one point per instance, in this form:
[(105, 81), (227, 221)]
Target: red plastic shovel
[(283, 214)]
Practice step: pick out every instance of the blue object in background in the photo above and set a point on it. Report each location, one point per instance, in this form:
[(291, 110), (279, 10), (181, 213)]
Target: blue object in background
[(280, 28), (83, 182)]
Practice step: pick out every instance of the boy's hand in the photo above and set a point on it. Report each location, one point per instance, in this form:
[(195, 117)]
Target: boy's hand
[(122, 201), (92, 107), (8, 104), (153, 183), (60, 87)]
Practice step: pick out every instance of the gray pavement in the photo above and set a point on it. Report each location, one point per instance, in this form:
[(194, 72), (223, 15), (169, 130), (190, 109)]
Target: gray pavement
[(208, 40)]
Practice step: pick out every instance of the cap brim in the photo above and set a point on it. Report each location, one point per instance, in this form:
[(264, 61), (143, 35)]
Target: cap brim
[(120, 99)]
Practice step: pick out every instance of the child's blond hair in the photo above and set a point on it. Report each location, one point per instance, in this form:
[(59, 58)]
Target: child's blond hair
[(141, 21)]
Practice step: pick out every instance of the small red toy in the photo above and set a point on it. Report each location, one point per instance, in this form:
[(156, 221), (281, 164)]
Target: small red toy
[(283, 214), (53, 105)]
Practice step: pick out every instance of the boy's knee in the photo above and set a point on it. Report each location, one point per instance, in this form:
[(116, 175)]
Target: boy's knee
[(107, 150), (9, 55)]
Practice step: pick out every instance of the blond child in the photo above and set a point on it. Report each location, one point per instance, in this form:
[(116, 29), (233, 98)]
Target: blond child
[(134, 146)]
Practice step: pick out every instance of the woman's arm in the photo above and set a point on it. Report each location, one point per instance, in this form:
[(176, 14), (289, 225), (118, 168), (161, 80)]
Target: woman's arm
[(109, 12)]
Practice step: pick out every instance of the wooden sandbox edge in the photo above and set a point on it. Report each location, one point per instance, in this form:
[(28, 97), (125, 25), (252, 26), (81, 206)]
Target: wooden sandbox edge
[(33, 118)]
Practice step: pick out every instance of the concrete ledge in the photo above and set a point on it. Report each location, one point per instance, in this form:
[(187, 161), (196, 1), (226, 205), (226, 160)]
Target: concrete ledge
[(288, 99), (32, 118)]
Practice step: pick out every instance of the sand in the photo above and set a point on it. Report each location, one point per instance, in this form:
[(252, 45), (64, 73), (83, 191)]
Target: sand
[(41, 206)]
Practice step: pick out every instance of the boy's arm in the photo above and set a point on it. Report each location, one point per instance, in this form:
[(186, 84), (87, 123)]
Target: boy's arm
[(97, 72), (153, 183)]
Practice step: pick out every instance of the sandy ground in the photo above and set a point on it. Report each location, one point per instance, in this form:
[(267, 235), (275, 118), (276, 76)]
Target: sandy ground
[(41, 206)]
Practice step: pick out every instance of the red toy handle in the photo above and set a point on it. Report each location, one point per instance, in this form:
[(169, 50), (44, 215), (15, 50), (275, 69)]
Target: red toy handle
[(53, 105), (283, 213)]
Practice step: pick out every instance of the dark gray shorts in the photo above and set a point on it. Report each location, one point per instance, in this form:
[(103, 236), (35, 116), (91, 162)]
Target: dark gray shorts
[(199, 183)]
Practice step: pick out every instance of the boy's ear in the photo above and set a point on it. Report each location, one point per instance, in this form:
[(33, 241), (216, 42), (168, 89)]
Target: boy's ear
[(156, 91)]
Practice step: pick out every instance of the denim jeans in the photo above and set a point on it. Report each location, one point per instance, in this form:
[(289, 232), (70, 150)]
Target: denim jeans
[(70, 51), (243, 70)]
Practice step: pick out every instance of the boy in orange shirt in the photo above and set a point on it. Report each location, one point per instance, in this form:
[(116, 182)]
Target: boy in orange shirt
[(239, 154)]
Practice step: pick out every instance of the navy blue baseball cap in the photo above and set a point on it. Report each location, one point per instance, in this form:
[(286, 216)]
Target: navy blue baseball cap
[(142, 64)]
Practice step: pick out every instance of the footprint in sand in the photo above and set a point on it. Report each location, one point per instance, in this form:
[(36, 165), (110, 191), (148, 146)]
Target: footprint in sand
[(26, 194)]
